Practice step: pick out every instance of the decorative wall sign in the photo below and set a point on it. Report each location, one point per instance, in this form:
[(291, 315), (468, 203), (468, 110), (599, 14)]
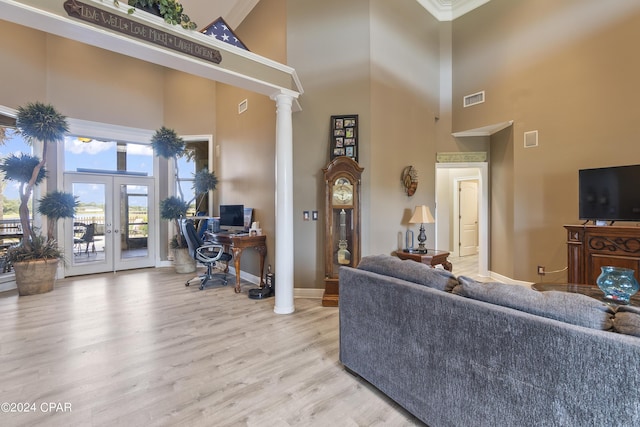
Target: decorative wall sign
[(344, 136), (140, 31)]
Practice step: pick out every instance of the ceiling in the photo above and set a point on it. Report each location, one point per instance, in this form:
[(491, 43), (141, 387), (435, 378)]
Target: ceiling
[(448, 10), (234, 11)]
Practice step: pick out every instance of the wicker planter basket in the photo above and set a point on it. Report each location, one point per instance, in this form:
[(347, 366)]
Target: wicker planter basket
[(35, 277)]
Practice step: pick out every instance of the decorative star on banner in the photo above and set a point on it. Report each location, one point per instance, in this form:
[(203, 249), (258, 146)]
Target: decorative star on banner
[(220, 30)]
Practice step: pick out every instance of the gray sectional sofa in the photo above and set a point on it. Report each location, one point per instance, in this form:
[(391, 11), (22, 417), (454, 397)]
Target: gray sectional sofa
[(455, 352)]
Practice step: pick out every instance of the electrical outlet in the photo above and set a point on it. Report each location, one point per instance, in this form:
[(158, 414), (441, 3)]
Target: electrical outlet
[(541, 270)]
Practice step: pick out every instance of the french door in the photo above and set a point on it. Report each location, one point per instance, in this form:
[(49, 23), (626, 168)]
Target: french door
[(113, 228)]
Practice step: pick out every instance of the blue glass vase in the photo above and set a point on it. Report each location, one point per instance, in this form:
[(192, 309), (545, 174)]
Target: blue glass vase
[(618, 284)]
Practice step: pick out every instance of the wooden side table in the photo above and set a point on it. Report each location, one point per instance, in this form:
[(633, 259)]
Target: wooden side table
[(432, 258)]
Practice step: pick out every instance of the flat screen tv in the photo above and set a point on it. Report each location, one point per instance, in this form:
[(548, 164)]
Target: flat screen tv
[(232, 216), (610, 194)]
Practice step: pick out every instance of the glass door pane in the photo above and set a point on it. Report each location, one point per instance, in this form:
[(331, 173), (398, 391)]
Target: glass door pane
[(88, 243), (133, 234)]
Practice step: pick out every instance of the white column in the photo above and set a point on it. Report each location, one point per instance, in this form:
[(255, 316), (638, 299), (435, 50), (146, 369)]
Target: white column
[(284, 205)]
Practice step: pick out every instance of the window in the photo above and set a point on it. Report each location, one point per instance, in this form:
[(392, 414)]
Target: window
[(93, 155), (195, 158), (10, 228)]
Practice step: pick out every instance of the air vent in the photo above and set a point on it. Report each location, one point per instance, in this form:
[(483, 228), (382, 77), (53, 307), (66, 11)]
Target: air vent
[(242, 106), (473, 99), (531, 139)]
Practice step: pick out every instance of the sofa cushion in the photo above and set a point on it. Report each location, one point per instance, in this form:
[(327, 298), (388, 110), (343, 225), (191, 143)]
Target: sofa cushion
[(410, 271), (627, 320), (566, 307)]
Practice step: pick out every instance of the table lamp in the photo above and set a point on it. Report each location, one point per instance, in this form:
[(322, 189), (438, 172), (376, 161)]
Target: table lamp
[(422, 215)]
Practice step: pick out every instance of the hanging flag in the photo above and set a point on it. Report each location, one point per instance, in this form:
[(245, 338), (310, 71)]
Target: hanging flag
[(220, 30)]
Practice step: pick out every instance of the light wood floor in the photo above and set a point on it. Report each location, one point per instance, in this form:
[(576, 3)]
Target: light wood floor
[(139, 349), (467, 266)]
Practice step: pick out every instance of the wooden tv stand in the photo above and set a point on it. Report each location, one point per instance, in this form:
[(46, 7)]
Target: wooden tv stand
[(590, 247)]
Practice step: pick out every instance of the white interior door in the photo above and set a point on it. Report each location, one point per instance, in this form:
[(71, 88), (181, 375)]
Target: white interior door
[(113, 226), (468, 220)]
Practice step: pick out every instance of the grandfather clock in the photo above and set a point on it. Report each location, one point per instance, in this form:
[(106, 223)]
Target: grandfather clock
[(342, 222)]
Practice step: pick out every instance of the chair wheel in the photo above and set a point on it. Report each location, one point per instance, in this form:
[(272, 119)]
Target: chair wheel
[(201, 287), (187, 284)]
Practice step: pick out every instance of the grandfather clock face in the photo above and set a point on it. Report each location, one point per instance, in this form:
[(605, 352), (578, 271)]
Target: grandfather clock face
[(343, 192)]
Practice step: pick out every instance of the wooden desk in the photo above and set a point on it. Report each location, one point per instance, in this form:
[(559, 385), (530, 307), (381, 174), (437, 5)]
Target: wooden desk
[(432, 258), (235, 244)]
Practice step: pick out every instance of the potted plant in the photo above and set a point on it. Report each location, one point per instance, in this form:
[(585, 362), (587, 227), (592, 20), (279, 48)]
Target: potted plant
[(170, 10), (173, 209), (167, 144), (35, 258)]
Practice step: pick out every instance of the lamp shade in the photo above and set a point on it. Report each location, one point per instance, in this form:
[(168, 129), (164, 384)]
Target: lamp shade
[(422, 215)]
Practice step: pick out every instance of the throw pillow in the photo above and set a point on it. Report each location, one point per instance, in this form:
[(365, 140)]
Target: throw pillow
[(410, 271), (627, 320), (567, 307)]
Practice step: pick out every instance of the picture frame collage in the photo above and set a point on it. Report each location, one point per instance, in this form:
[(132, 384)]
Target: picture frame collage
[(344, 136)]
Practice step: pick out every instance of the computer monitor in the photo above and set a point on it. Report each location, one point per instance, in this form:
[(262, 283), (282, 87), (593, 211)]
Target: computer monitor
[(232, 217)]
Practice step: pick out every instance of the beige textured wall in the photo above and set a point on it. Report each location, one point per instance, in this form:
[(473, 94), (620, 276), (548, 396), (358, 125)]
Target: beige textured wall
[(89, 83), (501, 176), (380, 61), (189, 104), (23, 60), (83, 82), (247, 141), (564, 69), (405, 79), (328, 45)]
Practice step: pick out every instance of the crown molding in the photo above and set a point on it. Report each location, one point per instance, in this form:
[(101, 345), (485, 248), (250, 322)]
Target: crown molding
[(448, 10)]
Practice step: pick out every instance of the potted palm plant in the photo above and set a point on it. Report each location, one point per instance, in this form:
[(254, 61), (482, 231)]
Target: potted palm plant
[(167, 144), (173, 209), (35, 258)]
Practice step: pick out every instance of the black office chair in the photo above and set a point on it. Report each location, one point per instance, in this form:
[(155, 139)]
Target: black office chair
[(206, 253)]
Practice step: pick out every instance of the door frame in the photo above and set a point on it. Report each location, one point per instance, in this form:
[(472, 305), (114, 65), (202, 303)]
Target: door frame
[(444, 209), (112, 184)]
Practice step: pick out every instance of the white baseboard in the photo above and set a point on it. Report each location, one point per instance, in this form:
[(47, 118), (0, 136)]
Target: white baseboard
[(505, 279), (312, 293), (297, 292)]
